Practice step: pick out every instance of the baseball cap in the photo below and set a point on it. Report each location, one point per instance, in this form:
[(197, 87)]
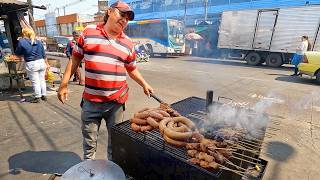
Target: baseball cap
[(125, 8), (75, 33)]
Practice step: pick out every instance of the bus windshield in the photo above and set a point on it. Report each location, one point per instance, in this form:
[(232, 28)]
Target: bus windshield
[(159, 36), (176, 33)]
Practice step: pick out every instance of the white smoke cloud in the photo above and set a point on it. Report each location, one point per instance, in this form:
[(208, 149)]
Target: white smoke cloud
[(253, 120)]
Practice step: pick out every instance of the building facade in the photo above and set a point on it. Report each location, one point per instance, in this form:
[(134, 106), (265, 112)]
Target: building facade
[(65, 24), (193, 11)]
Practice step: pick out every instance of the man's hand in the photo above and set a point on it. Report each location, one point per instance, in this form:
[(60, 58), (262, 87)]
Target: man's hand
[(62, 93), (147, 89)]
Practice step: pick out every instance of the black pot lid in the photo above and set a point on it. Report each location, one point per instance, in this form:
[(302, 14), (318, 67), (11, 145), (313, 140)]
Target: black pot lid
[(94, 170)]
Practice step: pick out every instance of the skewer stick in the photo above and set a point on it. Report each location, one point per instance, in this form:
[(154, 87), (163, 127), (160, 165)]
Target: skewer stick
[(240, 173), (251, 142), (232, 164), (251, 145), (247, 147), (255, 159), (244, 160)]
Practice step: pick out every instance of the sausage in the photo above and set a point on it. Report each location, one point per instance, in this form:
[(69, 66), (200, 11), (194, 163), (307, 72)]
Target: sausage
[(177, 135), (182, 128), (197, 137), (135, 127), (146, 128), (163, 124), (152, 122), (174, 142), (141, 115), (139, 121), (185, 121), (163, 113), (155, 115), (144, 109)]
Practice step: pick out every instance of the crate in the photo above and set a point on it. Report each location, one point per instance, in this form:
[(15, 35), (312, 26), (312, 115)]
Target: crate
[(16, 67)]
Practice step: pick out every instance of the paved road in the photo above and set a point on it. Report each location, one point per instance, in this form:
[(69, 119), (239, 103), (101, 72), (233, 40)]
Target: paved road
[(40, 139)]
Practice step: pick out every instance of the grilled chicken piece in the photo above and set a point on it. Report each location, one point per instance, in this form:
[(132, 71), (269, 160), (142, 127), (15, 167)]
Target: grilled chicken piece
[(213, 165), (217, 156), (194, 146), (194, 161), (204, 156), (192, 153), (227, 154), (204, 164)]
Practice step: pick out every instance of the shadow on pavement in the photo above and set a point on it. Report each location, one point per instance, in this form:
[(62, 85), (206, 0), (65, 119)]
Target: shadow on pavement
[(280, 152), (235, 63), (297, 79), (45, 162)]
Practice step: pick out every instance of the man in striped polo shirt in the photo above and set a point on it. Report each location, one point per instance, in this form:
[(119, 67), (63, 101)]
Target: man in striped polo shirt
[(108, 55)]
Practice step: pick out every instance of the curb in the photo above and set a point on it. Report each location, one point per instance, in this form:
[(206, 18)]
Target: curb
[(56, 54)]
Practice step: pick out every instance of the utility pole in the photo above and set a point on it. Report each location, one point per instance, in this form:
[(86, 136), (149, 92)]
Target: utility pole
[(205, 10), (31, 19), (185, 12)]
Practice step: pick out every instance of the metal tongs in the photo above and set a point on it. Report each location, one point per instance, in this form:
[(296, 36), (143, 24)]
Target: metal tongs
[(157, 99), (160, 100)]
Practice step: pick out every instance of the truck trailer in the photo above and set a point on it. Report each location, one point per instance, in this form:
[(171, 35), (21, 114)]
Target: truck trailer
[(269, 35)]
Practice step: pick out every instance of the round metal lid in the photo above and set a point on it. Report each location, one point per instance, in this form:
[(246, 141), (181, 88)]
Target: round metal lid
[(94, 170)]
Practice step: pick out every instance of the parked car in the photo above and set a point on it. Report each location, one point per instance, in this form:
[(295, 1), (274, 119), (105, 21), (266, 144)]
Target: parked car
[(311, 65), (57, 43)]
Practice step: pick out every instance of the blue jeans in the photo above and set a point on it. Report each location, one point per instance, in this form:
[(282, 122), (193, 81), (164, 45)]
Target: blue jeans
[(296, 59), (91, 116)]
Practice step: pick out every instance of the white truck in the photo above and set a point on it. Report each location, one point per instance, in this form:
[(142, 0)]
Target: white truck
[(269, 35)]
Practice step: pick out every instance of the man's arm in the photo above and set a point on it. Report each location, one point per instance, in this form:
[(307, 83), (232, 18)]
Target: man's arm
[(70, 69), (137, 77)]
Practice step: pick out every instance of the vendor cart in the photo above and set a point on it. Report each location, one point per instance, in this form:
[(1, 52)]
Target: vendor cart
[(16, 72)]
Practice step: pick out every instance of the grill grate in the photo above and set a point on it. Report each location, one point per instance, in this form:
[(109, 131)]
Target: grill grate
[(194, 109), (154, 138)]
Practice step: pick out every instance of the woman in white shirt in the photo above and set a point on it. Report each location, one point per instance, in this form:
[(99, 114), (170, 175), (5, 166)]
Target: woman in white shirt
[(297, 57)]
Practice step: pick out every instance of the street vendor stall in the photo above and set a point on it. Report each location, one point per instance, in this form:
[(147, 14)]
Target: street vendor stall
[(11, 23), (178, 146)]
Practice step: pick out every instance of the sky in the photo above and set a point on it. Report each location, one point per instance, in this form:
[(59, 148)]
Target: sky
[(85, 7)]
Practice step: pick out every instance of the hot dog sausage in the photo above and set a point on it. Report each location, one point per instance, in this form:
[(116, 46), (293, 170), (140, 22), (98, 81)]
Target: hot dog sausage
[(152, 122), (174, 142), (135, 127), (141, 115), (139, 121), (146, 128)]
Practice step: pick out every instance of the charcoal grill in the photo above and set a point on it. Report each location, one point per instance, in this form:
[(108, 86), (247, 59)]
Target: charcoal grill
[(147, 156)]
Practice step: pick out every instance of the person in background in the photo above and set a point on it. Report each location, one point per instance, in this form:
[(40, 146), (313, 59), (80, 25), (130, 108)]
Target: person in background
[(34, 55), (108, 55), (298, 56), (77, 75)]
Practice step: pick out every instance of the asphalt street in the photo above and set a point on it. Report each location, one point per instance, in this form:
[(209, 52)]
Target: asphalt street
[(37, 140)]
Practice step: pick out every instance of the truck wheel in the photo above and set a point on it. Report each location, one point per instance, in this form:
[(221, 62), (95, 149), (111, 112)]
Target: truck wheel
[(274, 60), (253, 59), (318, 76)]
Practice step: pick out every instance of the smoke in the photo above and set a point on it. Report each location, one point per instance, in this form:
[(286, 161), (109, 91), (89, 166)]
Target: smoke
[(309, 101), (254, 120)]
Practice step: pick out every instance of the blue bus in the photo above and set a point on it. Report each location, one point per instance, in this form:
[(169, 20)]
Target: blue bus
[(158, 36)]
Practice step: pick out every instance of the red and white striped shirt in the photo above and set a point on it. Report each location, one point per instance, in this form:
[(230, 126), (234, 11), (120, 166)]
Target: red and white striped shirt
[(106, 62)]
